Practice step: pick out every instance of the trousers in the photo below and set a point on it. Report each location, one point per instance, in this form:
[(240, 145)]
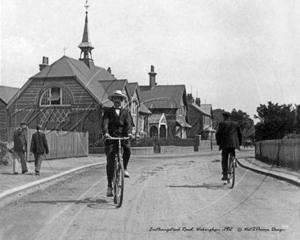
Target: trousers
[(38, 161), (111, 149), (21, 156), (225, 154)]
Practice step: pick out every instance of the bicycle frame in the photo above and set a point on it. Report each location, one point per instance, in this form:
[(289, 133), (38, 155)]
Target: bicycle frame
[(118, 178)]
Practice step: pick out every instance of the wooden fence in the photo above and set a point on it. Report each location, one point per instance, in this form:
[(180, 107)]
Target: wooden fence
[(61, 144), (284, 152)]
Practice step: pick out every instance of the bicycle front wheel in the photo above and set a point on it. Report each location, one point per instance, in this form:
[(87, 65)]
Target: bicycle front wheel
[(119, 184)]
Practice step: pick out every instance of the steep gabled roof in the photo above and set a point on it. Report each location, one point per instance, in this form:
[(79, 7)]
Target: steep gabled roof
[(7, 93), (135, 87), (69, 67), (132, 87), (204, 108), (164, 96)]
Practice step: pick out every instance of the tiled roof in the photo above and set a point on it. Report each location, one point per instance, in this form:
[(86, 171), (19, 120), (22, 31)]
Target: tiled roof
[(132, 87), (204, 108), (6, 93), (181, 120), (163, 96), (144, 109), (69, 67), (156, 118), (135, 86)]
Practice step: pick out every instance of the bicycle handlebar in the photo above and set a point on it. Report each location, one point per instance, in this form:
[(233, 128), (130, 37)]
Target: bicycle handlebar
[(116, 138)]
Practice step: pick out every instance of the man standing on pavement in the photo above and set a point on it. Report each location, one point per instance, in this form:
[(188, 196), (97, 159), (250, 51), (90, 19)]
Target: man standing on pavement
[(229, 138), (39, 147), (117, 122), (20, 146)]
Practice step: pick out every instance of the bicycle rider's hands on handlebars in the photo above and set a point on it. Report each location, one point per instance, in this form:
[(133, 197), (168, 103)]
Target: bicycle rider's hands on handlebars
[(107, 136), (130, 136)]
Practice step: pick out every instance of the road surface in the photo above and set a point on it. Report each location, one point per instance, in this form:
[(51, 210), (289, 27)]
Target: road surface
[(175, 198)]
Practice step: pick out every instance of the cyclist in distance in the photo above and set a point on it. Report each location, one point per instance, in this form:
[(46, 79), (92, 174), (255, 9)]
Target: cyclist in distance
[(229, 138), (117, 122)]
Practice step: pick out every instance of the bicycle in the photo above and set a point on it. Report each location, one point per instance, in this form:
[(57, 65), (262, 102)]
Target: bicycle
[(231, 170), (118, 176)]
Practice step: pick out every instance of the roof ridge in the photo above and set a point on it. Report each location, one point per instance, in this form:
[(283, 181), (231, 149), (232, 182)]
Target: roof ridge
[(72, 66)]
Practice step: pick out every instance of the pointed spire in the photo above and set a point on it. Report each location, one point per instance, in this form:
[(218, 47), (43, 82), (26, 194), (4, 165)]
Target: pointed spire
[(86, 45)]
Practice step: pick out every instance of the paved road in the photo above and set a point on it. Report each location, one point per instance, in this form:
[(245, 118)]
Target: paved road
[(164, 199)]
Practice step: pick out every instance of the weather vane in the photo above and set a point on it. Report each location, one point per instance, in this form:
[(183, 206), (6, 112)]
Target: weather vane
[(86, 5)]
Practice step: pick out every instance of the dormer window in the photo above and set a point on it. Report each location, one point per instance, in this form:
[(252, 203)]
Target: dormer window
[(55, 96)]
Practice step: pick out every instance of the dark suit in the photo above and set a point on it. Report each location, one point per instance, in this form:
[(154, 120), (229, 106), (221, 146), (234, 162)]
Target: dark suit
[(39, 146), (116, 126), (229, 138), (20, 146)]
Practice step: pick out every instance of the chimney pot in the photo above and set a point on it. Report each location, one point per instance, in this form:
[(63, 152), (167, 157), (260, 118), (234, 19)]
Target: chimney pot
[(44, 64), (190, 98), (152, 74)]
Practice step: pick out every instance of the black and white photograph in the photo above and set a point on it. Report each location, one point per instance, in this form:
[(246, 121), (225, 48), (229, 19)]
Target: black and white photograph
[(139, 119)]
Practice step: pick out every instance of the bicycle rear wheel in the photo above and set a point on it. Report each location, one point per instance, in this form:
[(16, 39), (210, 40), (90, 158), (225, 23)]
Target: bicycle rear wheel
[(229, 170), (232, 170), (119, 185)]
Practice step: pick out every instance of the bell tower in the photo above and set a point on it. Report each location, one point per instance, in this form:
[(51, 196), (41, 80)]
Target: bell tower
[(86, 45)]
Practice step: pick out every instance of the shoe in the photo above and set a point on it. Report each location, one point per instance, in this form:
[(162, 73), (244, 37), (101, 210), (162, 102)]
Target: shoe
[(224, 178), (109, 192), (37, 173), (24, 171), (126, 174), (16, 173)]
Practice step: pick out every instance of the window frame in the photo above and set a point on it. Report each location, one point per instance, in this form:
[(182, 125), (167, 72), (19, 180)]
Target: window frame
[(61, 93)]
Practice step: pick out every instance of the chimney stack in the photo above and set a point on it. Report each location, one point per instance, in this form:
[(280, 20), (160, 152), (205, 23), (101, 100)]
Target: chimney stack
[(198, 101), (152, 75), (45, 63), (190, 98)]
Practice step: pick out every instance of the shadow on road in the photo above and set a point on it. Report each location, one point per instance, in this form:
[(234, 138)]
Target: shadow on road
[(214, 186), (100, 203)]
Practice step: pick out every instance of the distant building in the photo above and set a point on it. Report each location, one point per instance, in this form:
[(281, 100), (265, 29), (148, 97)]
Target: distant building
[(168, 104), (71, 95), (6, 93), (200, 117), (140, 113), (67, 95)]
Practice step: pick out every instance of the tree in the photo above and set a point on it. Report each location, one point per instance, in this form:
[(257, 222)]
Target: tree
[(277, 121), (245, 122), (217, 117)]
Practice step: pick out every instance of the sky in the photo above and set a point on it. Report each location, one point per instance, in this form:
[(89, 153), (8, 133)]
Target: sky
[(229, 53)]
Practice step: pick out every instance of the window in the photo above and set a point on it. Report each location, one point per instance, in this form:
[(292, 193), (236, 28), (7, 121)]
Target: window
[(134, 114), (142, 124), (55, 96)]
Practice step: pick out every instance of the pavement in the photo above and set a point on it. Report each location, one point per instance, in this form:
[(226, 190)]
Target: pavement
[(14, 187)]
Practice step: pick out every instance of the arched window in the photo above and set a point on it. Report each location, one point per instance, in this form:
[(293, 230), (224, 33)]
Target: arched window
[(55, 96)]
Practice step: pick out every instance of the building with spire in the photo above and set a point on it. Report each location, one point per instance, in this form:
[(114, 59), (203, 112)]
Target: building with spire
[(67, 95), (86, 44)]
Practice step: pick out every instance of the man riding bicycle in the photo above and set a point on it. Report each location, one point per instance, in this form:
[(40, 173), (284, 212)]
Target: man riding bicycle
[(117, 122), (229, 138)]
